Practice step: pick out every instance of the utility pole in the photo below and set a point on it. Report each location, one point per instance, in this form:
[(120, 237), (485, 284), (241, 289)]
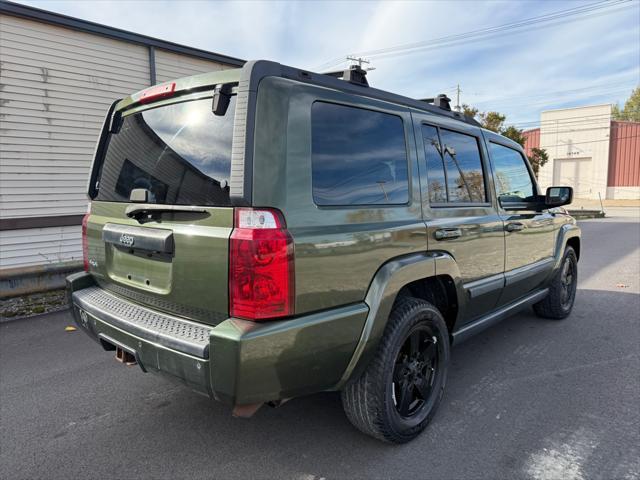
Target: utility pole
[(360, 61), (458, 91)]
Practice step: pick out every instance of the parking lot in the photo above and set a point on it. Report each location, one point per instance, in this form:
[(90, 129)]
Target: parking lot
[(528, 398)]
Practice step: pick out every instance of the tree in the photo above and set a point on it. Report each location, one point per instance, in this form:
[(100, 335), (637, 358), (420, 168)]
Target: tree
[(470, 186), (615, 112), (538, 158), (514, 134), (493, 121), (631, 110), (468, 111), (437, 192)]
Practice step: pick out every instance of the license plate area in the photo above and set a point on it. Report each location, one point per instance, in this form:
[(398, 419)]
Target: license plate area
[(144, 270)]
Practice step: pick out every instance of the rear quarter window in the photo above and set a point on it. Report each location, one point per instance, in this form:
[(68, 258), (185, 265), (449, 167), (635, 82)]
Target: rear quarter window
[(359, 157)]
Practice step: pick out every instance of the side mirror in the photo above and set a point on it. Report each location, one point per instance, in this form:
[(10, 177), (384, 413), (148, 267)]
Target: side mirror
[(558, 196)]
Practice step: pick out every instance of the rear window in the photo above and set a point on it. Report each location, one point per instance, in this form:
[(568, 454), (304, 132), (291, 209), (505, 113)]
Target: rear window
[(180, 153), (359, 157)]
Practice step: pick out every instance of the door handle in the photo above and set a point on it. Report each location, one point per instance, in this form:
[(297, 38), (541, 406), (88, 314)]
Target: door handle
[(514, 227), (444, 233)]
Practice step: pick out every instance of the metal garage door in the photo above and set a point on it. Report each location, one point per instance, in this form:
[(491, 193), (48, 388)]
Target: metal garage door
[(576, 173)]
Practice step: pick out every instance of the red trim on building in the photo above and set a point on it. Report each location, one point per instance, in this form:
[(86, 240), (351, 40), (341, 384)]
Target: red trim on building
[(532, 140), (624, 155)]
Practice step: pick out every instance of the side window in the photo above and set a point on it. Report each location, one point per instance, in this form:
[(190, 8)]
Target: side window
[(454, 167), (513, 181), (436, 180), (463, 165), (358, 156)]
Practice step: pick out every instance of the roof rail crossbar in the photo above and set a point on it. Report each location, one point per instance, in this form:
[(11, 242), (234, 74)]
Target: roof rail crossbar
[(354, 74), (440, 101)]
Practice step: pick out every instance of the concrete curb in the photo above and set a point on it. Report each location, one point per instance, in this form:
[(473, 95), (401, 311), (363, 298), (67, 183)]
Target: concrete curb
[(582, 214)]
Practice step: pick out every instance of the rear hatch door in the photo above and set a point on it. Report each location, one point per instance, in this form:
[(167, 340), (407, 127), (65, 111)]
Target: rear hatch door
[(161, 216)]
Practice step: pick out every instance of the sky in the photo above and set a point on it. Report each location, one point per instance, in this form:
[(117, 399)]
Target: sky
[(587, 59)]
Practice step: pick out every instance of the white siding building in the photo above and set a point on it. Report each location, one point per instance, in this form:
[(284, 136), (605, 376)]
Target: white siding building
[(58, 76)]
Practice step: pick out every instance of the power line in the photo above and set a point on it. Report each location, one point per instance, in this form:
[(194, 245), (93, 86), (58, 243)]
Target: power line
[(578, 128), (554, 101), (492, 35), (584, 11), (590, 141), (587, 118), (607, 127), (560, 92), (594, 118), (360, 61), (465, 35)]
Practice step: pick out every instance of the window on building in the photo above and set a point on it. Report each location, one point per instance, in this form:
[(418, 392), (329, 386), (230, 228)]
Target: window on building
[(359, 156), (513, 181), (454, 167)]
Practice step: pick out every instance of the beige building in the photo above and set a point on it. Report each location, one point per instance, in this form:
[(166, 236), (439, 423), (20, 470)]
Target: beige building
[(577, 141), (588, 150), (59, 75)]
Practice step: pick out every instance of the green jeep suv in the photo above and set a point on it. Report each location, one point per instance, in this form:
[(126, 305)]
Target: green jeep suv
[(268, 232)]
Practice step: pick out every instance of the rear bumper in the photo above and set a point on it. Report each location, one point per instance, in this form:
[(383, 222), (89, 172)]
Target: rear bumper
[(238, 362)]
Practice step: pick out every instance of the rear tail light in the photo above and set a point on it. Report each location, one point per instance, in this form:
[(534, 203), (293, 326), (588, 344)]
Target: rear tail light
[(261, 272), (85, 243)]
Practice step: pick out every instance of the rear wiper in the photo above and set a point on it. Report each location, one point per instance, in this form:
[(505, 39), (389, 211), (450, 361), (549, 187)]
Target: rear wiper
[(135, 211)]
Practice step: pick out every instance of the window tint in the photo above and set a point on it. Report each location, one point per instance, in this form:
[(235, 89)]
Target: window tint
[(465, 180), (513, 182), (359, 156), (180, 153), (436, 180)]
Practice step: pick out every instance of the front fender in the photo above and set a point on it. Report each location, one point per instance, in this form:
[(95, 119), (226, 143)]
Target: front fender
[(383, 290), (566, 232)]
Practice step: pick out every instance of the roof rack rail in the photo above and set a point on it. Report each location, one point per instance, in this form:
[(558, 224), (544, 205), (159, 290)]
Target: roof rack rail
[(354, 74), (440, 101)]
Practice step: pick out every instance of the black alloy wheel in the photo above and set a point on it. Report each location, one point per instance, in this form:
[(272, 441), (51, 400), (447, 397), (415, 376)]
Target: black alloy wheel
[(415, 371), (567, 282), (562, 289), (399, 392)]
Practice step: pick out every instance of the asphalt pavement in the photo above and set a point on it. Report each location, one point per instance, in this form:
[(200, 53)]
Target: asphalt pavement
[(528, 398)]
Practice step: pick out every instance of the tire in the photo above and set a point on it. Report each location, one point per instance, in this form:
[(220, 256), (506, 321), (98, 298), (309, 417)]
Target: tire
[(413, 356), (562, 290)]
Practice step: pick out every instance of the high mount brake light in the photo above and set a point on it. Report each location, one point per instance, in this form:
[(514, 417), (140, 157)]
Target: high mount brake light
[(261, 266), (157, 92), (85, 242)]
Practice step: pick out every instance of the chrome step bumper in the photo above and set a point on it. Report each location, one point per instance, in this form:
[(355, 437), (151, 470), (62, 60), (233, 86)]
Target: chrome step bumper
[(160, 328)]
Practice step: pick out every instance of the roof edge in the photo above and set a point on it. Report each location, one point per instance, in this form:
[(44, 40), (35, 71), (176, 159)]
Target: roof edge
[(578, 107), (33, 13), (631, 122)]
